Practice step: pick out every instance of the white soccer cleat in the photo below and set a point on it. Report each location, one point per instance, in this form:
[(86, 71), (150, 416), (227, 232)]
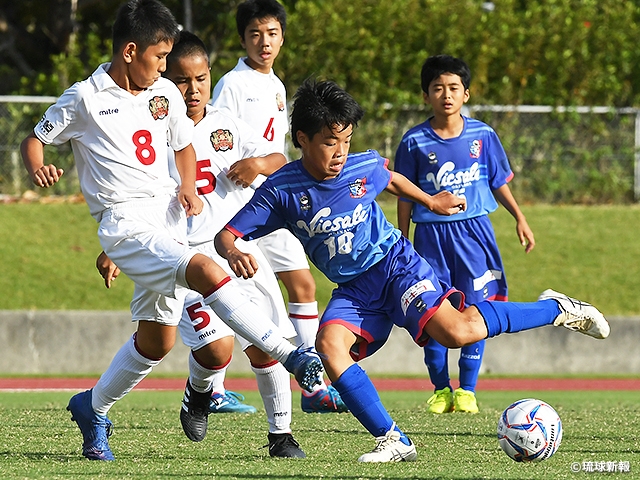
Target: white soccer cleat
[(390, 449), (577, 315)]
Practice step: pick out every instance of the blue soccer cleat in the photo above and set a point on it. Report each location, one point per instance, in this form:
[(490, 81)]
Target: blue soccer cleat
[(306, 367), (323, 401), (229, 402), (96, 429)]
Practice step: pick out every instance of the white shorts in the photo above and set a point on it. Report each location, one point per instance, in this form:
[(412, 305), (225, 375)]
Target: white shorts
[(200, 326), (147, 239), (283, 251)]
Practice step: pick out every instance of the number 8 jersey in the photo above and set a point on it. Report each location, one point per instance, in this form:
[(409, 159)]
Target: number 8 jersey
[(342, 228), (119, 140)]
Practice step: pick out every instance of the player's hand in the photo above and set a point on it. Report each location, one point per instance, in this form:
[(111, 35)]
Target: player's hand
[(446, 203), (243, 172), (46, 176), (525, 235), (107, 269), (243, 264), (191, 202)]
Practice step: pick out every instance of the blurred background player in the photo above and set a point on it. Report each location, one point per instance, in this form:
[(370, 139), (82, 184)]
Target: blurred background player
[(327, 199), (253, 93), (465, 157), (121, 122)]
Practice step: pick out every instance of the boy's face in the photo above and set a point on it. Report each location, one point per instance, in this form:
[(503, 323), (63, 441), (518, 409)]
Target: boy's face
[(446, 95), (192, 77), (325, 154), (262, 40), (146, 67)]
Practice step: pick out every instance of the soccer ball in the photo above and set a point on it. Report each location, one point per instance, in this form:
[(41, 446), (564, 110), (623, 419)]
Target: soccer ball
[(529, 430)]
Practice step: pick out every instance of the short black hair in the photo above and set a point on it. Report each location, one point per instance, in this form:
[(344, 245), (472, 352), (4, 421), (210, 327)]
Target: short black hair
[(252, 9), (322, 104), (187, 45), (144, 22), (438, 64)]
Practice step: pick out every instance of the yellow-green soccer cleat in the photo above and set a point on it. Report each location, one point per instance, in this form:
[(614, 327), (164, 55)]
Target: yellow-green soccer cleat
[(465, 401), (441, 401)]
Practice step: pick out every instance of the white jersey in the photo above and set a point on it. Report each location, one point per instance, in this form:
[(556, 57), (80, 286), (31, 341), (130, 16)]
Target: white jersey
[(257, 98), (120, 141), (220, 141)]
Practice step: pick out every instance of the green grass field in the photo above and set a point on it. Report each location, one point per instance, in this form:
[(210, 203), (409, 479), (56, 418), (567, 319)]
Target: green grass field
[(40, 441), (48, 257)]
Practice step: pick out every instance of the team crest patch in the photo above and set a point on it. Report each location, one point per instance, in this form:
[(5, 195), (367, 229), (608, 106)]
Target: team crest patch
[(305, 203), (475, 148), (279, 102), (222, 140), (358, 188), (432, 158), (159, 107)]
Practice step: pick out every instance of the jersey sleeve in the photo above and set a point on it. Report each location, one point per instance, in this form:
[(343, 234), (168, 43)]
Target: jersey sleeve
[(180, 133), (59, 123), (258, 217), (405, 163), (498, 167)]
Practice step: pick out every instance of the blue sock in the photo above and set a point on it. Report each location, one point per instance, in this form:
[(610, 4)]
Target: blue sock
[(359, 394), (469, 365), (511, 317), (436, 358)]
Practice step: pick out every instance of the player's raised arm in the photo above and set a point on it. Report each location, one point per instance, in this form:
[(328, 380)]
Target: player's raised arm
[(32, 150), (186, 165), (244, 172), (243, 264), (442, 203)]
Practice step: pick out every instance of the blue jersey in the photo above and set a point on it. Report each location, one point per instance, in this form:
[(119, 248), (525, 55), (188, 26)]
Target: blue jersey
[(471, 165), (342, 228)]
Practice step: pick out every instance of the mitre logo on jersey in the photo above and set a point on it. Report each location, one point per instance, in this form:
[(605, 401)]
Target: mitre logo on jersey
[(222, 140), (358, 188), (475, 148), (279, 102), (447, 178), (322, 223), (159, 107)]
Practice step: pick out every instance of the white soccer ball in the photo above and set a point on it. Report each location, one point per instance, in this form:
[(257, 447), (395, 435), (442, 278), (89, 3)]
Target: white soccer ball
[(529, 430)]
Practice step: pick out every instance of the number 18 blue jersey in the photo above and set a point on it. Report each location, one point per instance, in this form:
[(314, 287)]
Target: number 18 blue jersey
[(342, 228)]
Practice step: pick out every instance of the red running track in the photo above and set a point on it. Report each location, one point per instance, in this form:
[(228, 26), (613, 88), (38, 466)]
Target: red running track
[(398, 384)]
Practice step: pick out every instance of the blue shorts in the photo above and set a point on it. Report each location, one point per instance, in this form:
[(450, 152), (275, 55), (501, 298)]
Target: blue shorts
[(401, 289), (465, 254)]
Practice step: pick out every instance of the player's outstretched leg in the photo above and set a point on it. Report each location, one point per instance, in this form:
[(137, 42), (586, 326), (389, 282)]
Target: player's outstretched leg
[(194, 413), (306, 367), (96, 429), (577, 315)]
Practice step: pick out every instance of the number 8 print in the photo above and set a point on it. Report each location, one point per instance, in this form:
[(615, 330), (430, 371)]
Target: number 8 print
[(144, 151)]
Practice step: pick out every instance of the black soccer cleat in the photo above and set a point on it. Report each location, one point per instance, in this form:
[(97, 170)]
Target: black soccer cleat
[(194, 413), (283, 445)]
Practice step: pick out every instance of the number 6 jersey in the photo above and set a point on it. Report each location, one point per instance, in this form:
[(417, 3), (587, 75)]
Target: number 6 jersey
[(342, 228), (119, 140)]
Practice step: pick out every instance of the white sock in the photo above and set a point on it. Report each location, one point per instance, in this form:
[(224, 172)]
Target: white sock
[(126, 370), (202, 378), (304, 317), (247, 320), (275, 389)]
